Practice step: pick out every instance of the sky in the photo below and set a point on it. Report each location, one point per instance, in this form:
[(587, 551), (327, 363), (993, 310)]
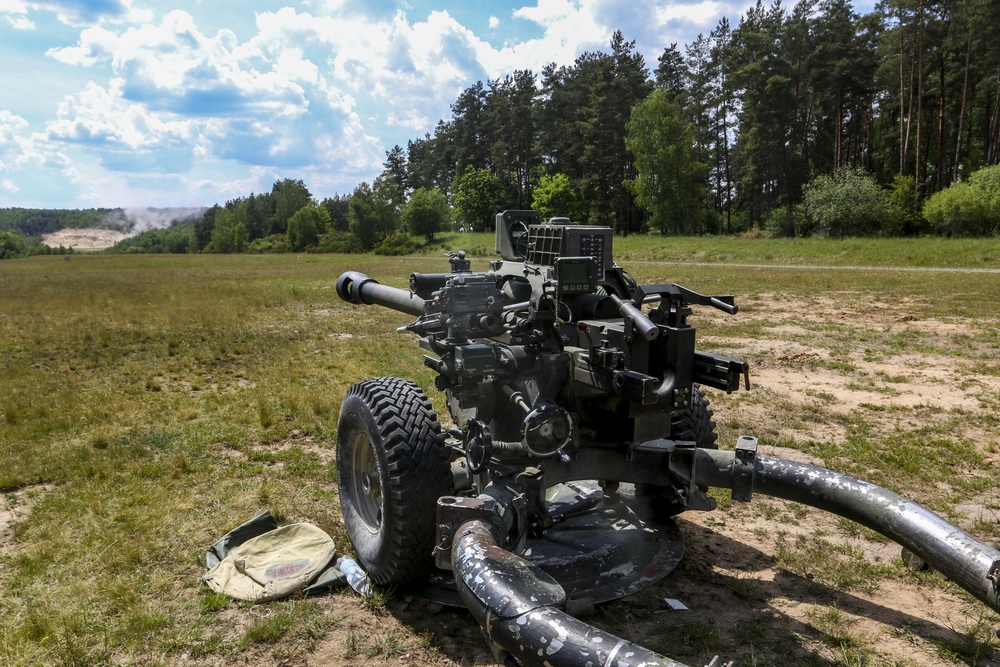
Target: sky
[(136, 103)]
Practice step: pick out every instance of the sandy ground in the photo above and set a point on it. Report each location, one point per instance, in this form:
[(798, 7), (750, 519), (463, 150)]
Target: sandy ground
[(84, 239)]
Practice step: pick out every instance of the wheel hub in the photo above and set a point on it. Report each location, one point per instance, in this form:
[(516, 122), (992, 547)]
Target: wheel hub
[(368, 496)]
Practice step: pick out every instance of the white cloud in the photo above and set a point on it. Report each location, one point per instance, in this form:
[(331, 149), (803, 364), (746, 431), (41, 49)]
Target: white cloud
[(549, 12), (99, 115), (16, 145), (10, 125), (180, 96), (15, 13), (13, 7), (95, 44), (20, 23), (74, 12), (317, 94), (570, 28), (406, 73), (31, 166), (259, 179), (175, 67), (705, 13)]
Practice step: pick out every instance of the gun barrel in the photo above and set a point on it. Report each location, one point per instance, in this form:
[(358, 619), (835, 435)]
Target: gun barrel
[(356, 287)]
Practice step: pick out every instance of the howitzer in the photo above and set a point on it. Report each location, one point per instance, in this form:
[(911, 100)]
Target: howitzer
[(580, 428)]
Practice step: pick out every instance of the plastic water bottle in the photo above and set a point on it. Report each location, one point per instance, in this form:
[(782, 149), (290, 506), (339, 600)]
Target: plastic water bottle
[(356, 577)]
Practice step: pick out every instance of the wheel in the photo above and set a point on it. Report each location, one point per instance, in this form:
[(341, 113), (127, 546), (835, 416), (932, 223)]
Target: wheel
[(696, 422), (392, 466)]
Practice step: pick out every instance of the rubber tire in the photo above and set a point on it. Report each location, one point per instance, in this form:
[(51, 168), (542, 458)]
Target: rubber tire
[(392, 466), (696, 422)]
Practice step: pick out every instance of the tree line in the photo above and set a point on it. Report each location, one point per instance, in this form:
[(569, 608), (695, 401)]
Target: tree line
[(813, 121), (38, 222), (747, 127), (765, 125)]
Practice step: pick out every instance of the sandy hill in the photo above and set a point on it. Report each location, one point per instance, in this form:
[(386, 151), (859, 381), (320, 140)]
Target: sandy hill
[(84, 239)]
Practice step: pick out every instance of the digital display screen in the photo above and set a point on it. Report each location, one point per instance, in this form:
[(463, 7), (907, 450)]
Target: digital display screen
[(576, 275)]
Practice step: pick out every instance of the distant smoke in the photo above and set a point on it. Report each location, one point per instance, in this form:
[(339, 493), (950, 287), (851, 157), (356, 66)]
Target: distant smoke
[(135, 220)]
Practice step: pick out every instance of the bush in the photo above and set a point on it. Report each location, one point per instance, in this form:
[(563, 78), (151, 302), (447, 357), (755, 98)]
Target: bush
[(902, 194), (787, 222), (967, 208), (961, 210), (275, 243), (13, 245), (849, 203), (397, 243), (987, 181), (178, 238), (338, 242)]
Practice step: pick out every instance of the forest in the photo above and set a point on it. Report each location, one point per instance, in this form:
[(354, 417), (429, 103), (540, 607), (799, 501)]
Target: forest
[(743, 124), (814, 121)]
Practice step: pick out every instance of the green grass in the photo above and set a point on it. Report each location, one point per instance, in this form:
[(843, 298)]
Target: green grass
[(930, 252), (150, 403), (152, 394)]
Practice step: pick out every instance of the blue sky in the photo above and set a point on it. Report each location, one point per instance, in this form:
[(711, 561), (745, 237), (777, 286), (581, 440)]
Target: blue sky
[(133, 103)]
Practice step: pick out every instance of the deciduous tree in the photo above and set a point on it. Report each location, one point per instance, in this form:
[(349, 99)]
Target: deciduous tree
[(229, 235), (426, 213), (372, 212), (288, 196), (307, 225), (478, 198), (556, 196), (670, 185)]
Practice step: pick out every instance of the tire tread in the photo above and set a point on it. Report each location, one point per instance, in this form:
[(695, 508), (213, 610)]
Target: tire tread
[(418, 470)]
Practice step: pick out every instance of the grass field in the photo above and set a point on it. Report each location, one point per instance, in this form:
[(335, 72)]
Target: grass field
[(150, 403)]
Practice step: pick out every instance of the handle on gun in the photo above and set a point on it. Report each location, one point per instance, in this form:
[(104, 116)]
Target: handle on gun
[(730, 308), (643, 325)]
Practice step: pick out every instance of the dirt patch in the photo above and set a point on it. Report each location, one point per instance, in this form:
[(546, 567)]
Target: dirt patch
[(269, 453), (84, 239), (732, 574), (15, 506), (410, 632), (817, 354)]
